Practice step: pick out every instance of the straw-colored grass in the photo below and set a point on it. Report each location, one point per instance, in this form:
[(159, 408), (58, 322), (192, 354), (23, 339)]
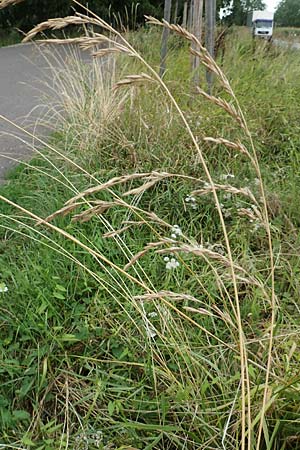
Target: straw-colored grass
[(5, 3)]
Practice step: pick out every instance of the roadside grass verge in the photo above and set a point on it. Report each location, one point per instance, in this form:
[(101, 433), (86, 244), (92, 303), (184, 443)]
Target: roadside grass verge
[(287, 33), (95, 356)]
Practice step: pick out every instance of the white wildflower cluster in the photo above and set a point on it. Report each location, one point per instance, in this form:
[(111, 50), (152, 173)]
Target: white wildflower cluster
[(176, 231), (151, 333), (82, 440), (226, 176), (162, 315), (191, 201), (171, 263), (149, 327), (3, 287), (227, 196), (256, 226), (218, 248), (226, 211), (97, 438), (150, 330)]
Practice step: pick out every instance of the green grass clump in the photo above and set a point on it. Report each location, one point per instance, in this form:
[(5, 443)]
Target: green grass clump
[(103, 344), (9, 37)]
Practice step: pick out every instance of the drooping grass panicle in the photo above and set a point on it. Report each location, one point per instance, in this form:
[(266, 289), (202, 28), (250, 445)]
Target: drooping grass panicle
[(237, 146), (107, 185), (56, 24), (246, 192), (229, 108), (5, 3), (130, 80), (150, 179), (92, 44)]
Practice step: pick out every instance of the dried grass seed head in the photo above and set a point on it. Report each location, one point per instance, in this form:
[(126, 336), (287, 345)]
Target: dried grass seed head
[(229, 108), (60, 23), (130, 80), (5, 3), (238, 146)]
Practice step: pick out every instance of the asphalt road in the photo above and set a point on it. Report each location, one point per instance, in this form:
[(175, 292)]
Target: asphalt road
[(285, 44), (26, 98)]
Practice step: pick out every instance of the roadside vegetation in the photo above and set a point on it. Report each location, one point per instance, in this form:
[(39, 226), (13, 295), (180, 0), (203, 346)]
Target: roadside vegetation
[(287, 33), (9, 38), (157, 305)]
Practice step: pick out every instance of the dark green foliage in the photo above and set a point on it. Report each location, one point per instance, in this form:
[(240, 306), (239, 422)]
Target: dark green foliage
[(288, 13), (240, 8), (126, 8), (31, 12)]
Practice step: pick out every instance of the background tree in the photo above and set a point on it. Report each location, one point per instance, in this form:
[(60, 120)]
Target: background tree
[(288, 13), (240, 8), (30, 12), (107, 8)]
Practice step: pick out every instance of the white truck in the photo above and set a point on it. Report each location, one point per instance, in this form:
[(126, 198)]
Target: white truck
[(262, 23)]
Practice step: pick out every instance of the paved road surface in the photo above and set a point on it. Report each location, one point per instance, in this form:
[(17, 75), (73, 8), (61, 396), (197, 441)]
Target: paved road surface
[(285, 44), (24, 73)]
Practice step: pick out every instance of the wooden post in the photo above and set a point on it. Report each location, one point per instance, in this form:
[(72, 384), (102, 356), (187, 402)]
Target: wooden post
[(197, 31), (185, 10), (176, 12), (210, 16), (191, 16), (215, 11), (165, 36)]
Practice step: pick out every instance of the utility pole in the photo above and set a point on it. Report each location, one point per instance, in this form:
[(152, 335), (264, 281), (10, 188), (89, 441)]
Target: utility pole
[(210, 16), (165, 36), (197, 31)]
